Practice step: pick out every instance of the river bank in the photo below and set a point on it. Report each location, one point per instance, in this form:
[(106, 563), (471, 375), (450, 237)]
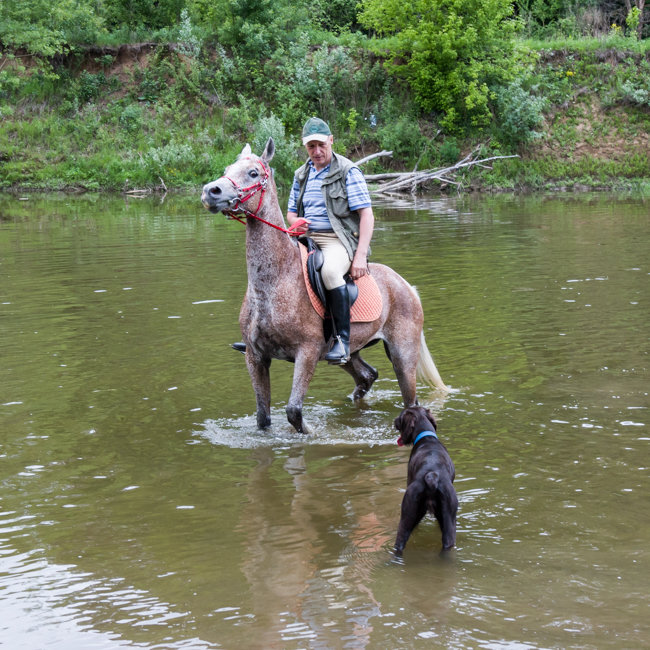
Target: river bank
[(138, 118)]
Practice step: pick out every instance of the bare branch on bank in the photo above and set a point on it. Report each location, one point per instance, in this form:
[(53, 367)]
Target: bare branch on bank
[(398, 182)]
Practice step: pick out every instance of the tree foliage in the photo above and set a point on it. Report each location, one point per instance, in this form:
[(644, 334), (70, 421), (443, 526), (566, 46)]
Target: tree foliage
[(452, 52), (254, 28), (46, 27), (138, 14)]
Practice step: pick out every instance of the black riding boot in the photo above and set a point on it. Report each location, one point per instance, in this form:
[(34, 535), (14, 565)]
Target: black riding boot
[(338, 301)]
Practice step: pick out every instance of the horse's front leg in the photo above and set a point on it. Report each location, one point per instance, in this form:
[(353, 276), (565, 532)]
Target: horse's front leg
[(363, 373), (306, 361), (258, 369)]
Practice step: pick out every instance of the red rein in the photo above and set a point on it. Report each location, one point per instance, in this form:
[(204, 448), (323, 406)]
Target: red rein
[(246, 193)]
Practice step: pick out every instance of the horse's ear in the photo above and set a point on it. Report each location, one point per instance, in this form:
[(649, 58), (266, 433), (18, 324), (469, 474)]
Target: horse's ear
[(246, 151), (269, 150)]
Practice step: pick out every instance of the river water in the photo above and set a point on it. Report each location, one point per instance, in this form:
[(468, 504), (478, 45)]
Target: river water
[(141, 507)]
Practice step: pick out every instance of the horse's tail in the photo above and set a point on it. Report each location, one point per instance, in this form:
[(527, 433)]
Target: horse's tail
[(426, 370)]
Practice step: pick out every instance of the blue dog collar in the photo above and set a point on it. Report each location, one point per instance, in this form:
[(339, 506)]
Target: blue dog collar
[(424, 434)]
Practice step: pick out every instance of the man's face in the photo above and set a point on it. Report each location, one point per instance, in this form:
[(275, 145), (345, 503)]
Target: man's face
[(320, 153)]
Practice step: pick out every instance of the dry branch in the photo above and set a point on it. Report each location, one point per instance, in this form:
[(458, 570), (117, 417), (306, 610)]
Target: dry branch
[(372, 156), (394, 183)]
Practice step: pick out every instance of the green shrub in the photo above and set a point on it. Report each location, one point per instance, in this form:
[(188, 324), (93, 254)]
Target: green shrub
[(131, 118), (519, 113), (449, 151), (48, 27), (272, 127), (90, 85), (403, 137), (451, 52), (11, 76)]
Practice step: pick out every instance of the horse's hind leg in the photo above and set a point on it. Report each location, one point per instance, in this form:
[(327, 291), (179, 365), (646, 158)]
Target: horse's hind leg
[(258, 369), (363, 373), (404, 358)]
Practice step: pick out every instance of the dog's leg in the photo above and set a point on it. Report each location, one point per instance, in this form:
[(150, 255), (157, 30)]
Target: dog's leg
[(445, 513), (413, 509)]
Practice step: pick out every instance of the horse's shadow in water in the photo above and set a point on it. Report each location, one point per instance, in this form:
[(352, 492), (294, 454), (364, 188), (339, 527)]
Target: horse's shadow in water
[(277, 319)]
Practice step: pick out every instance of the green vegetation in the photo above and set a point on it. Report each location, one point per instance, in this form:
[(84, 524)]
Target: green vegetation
[(155, 94), (454, 53)]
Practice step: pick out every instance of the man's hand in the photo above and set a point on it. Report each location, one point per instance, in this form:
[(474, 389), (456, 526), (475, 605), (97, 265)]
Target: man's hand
[(359, 266), (296, 224)]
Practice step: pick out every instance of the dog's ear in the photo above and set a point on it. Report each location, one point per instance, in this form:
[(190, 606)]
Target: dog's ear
[(431, 419)]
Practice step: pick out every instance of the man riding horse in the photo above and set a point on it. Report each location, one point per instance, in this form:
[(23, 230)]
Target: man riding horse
[(330, 203), (277, 318)]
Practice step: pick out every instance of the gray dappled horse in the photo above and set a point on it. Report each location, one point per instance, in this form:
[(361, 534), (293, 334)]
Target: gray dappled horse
[(277, 319)]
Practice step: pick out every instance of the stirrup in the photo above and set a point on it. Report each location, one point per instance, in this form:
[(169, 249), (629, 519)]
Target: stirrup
[(338, 355)]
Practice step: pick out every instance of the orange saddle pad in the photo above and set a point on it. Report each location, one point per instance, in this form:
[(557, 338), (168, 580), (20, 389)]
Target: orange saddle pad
[(366, 308)]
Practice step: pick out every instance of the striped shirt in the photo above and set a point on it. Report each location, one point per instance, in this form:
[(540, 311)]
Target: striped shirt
[(314, 203)]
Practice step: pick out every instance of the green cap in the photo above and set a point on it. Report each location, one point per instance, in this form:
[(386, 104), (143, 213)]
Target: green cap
[(315, 129)]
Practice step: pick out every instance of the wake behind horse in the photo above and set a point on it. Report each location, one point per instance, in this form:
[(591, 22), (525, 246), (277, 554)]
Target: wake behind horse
[(277, 319)]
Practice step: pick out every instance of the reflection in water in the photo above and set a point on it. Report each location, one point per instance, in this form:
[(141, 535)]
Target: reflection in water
[(139, 504)]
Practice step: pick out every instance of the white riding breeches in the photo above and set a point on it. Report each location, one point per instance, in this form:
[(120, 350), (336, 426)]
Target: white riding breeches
[(336, 262)]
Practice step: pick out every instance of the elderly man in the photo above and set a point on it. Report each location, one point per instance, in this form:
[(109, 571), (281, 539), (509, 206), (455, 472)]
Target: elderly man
[(330, 193)]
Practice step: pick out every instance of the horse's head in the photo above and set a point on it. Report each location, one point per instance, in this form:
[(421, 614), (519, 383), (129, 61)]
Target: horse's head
[(236, 189)]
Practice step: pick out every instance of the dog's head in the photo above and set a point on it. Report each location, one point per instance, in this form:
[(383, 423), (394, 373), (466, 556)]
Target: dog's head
[(412, 421)]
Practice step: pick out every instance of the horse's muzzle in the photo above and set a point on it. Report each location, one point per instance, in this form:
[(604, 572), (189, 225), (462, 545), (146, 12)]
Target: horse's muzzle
[(219, 196)]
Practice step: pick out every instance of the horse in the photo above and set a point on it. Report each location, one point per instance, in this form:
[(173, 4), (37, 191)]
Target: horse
[(277, 319)]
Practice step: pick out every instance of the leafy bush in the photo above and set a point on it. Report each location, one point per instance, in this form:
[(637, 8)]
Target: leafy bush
[(45, 28), (449, 151), (136, 14), (177, 163), (131, 118), (190, 41), (636, 92), (89, 86), (519, 113), (272, 127), (11, 78), (452, 52), (403, 137)]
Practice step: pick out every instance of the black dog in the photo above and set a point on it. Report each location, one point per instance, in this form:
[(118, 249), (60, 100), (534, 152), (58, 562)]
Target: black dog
[(430, 477)]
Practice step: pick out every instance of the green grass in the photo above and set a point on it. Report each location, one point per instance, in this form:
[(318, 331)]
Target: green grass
[(587, 45)]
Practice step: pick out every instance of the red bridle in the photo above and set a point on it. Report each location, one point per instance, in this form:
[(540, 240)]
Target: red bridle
[(246, 193)]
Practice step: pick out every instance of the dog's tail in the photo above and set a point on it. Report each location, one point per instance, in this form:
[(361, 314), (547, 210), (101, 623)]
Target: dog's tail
[(426, 369), (432, 479), (439, 483)]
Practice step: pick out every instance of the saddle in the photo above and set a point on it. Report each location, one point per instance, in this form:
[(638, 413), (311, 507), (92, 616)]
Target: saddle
[(314, 265), (365, 298)]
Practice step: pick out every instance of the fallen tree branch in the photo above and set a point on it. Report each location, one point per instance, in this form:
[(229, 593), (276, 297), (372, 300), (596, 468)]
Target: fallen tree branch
[(372, 156), (393, 183)]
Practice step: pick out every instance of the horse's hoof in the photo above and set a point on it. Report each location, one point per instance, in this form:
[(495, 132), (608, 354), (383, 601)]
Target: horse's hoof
[(359, 393), (263, 422)]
